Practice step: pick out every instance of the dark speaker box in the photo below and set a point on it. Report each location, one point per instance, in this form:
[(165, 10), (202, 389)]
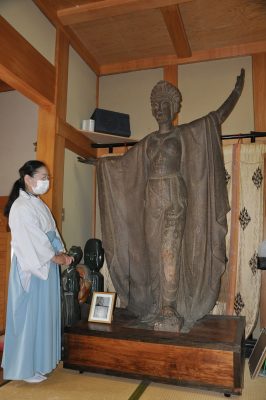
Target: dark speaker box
[(111, 122)]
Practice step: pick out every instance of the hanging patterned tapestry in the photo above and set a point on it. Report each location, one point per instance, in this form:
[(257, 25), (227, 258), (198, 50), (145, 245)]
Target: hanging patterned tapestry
[(247, 296), (246, 288)]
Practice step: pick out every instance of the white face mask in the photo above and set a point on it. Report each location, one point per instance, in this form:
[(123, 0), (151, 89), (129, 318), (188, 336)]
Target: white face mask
[(41, 187)]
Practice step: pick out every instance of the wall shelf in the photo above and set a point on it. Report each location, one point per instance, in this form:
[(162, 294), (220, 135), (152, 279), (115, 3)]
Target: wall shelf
[(107, 141)]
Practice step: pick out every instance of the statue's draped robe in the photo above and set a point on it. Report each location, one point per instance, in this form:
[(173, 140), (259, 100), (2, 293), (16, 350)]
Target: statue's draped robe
[(201, 262)]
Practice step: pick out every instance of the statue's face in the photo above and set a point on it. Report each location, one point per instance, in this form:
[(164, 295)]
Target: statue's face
[(94, 254), (162, 111)]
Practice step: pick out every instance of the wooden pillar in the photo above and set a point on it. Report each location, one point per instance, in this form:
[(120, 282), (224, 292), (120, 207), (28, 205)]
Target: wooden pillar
[(170, 74), (263, 273), (259, 96), (51, 146), (61, 63), (94, 188), (259, 91), (234, 234), (46, 145), (24, 68)]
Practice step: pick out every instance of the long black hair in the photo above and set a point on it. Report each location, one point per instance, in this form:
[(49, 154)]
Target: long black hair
[(29, 168)]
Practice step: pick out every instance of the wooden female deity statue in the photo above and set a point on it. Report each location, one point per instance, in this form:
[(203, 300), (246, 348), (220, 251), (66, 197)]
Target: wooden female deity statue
[(163, 212)]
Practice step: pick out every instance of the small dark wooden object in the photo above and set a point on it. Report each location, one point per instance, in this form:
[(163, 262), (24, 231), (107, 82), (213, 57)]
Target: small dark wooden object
[(211, 356)]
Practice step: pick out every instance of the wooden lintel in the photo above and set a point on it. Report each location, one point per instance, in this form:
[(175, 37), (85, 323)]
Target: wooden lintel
[(109, 8), (174, 23), (75, 140), (17, 58), (74, 41), (4, 87), (247, 49)]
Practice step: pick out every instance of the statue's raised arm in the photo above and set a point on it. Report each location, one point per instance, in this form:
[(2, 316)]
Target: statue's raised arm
[(227, 107)]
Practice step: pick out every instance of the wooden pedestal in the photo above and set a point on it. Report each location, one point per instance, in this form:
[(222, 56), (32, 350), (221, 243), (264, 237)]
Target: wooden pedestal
[(210, 356)]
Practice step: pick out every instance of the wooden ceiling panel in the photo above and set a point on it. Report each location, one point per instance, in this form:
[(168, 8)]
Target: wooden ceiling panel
[(109, 8), (213, 23), (121, 35), (127, 37), (62, 4)]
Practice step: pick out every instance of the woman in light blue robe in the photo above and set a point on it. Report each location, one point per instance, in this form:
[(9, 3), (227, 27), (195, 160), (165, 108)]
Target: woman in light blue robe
[(32, 346)]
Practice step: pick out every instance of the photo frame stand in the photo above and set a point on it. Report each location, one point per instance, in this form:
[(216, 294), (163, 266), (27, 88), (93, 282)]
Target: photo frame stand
[(258, 355)]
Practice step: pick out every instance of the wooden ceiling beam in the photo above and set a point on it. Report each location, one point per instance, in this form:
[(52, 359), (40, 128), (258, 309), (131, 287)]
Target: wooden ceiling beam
[(24, 68), (4, 87), (74, 41), (247, 49), (174, 23), (94, 10)]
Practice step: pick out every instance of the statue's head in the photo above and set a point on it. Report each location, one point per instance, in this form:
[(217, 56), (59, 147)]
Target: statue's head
[(77, 253), (165, 101), (94, 254)]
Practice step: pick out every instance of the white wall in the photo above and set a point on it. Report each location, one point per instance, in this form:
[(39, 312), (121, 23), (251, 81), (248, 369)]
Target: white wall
[(18, 132), (130, 93), (78, 201), (78, 177), (204, 87), (81, 98)]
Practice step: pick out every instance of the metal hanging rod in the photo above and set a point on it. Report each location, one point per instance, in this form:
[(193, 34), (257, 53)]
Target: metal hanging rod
[(252, 135), (110, 146)]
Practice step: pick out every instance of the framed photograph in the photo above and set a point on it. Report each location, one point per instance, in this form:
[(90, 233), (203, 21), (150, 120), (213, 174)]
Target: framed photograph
[(258, 356), (263, 369), (102, 307)]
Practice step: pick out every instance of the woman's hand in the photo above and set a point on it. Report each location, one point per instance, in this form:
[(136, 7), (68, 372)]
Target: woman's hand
[(62, 259)]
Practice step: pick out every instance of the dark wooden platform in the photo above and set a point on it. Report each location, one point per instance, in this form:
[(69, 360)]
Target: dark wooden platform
[(210, 356)]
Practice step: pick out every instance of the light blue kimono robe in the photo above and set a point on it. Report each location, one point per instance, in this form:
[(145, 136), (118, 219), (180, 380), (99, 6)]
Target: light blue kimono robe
[(33, 327)]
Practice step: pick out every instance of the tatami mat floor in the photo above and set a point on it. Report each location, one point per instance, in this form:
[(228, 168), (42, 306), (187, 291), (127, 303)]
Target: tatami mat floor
[(64, 384)]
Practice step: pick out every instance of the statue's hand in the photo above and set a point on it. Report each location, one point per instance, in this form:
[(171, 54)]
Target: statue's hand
[(226, 108), (240, 81)]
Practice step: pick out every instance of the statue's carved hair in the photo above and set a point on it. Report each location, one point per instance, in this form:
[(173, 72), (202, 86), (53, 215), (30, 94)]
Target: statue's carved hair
[(164, 90)]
